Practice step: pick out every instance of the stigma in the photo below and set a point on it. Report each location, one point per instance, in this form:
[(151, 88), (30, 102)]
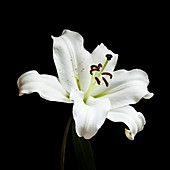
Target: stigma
[(109, 56)]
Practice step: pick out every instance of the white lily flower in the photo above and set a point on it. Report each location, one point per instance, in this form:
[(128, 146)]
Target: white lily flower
[(90, 82)]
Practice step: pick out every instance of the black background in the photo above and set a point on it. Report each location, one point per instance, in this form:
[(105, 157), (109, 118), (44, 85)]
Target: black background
[(34, 127)]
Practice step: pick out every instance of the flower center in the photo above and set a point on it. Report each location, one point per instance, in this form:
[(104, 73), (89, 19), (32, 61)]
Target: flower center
[(98, 76)]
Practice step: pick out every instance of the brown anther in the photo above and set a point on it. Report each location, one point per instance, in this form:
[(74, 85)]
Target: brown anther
[(95, 69), (109, 74), (99, 65), (94, 66), (105, 81), (97, 80)]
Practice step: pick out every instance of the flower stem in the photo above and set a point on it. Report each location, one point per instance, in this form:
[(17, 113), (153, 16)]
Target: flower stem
[(63, 147)]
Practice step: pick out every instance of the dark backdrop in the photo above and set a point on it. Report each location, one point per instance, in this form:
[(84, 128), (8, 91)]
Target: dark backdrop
[(35, 126)]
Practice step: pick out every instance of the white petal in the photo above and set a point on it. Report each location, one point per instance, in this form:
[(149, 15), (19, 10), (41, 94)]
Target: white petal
[(72, 61), (99, 56), (47, 86), (133, 119), (88, 117), (127, 87)]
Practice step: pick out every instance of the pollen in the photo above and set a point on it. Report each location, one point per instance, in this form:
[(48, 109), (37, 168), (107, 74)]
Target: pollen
[(109, 74), (97, 80), (94, 69), (99, 65), (98, 77), (105, 81), (101, 73)]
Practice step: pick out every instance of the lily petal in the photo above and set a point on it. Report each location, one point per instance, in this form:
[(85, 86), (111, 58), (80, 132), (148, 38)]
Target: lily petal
[(88, 117), (127, 87), (99, 56), (47, 86), (133, 119), (72, 61)]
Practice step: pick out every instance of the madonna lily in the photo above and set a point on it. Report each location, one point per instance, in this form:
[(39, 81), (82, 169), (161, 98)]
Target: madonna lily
[(90, 82)]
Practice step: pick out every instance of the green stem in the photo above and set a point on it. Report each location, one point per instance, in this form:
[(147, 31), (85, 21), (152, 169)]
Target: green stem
[(83, 151), (63, 147)]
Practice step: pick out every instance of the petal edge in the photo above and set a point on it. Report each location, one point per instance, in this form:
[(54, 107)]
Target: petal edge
[(88, 117), (47, 86), (133, 119)]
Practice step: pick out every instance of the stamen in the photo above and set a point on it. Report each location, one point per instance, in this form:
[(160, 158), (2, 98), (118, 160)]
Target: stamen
[(95, 69), (97, 80), (106, 73), (105, 81), (96, 76)]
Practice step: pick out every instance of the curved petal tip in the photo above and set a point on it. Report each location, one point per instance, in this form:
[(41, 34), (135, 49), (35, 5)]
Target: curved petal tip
[(128, 134)]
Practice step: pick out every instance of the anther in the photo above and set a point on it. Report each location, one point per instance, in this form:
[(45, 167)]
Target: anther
[(99, 65), (106, 73), (105, 81), (94, 66), (95, 69), (109, 56), (97, 80)]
